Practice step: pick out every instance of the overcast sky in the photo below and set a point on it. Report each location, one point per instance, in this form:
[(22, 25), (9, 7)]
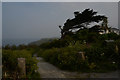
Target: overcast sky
[(119, 15), (0, 23), (60, 0), (40, 20)]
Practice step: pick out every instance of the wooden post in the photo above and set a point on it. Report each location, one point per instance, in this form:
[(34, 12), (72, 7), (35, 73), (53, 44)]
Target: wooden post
[(82, 55), (117, 49), (21, 65)]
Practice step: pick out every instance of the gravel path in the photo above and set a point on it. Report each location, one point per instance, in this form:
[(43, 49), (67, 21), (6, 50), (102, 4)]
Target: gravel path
[(47, 70)]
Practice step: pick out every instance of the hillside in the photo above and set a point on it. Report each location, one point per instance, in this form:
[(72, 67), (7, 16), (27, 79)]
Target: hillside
[(43, 40)]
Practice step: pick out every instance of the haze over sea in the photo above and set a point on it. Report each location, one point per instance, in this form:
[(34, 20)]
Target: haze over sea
[(17, 41)]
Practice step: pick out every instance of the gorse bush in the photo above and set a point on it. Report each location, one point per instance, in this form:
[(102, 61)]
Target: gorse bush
[(98, 58), (10, 62), (105, 57), (65, 58), (54, 44)]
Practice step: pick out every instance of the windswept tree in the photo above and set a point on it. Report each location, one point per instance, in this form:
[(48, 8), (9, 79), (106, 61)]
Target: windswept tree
[(81, 20)]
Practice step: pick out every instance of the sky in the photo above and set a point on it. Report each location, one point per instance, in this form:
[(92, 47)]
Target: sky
[(0, 24), (36, 20), (59, 0), (119, 15)]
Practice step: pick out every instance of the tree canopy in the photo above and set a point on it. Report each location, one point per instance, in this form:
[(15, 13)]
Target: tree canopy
[(81, 20)]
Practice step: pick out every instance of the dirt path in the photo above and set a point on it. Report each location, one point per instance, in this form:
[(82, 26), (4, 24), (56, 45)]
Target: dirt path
[(47, 70)]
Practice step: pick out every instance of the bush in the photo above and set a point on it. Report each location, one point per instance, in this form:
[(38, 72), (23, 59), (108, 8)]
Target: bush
[(10, 65), (54, 44), (98, 57), (105, 58), (65, 58)]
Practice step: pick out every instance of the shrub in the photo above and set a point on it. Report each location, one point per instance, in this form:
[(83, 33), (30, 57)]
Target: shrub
[(10, 65), (98, 57), (65, 58)]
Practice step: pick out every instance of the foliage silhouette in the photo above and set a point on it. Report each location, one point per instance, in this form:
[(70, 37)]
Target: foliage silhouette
[(80, 21)]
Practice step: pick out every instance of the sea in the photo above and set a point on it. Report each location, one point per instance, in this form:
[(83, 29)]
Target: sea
[(17, 42)]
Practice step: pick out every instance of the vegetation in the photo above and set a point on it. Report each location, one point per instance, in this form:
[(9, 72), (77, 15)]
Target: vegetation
[(81, 21), (102, 58), (10, 64)]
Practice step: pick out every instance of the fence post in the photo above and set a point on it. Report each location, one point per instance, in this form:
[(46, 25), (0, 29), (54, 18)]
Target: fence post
[(82, 54), (22, 66)]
